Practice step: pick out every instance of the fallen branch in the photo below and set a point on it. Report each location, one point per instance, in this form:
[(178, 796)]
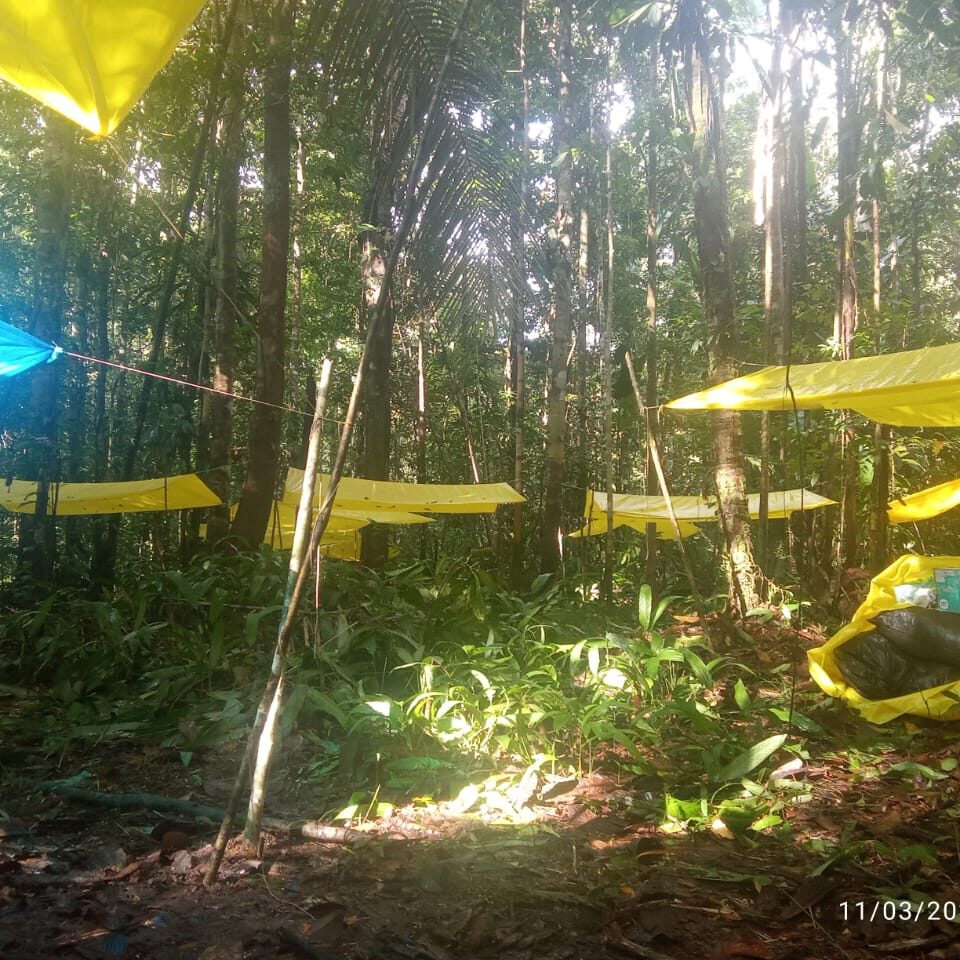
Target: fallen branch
[(311, 829), (148, 801)]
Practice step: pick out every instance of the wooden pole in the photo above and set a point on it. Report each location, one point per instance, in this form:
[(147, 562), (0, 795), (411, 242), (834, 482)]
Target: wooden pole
[(658, 466)]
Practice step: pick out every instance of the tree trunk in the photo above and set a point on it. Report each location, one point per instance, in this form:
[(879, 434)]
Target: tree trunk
[(226, 312), (38, 532), (518, 346), (561, 325), (704, 105), (263, 448), (607, 360), (375, 461), (880, 494), (651, 399), (775, 300), (845, 324)]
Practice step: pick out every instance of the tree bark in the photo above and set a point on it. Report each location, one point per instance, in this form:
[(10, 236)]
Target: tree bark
[(226, 310), (375, 461), (561, 322), (38, 532), (518, 346), (845, 323), (651, 400), (880, 493), (263, 447), (775, 300), (704, 75)]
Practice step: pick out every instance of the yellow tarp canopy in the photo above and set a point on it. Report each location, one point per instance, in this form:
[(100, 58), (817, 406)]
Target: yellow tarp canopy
[(939, 702), (637, 511), (924, 504), (913, 388), (283, 521), (90, 60), (136, 496), (355, 493)]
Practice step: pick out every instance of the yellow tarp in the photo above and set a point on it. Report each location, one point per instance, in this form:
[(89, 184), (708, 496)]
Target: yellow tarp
[(637, 511), (937, 702), (911, 388), (136, 496), (355, 493), (90, 60), (283, 521), (925, 503)]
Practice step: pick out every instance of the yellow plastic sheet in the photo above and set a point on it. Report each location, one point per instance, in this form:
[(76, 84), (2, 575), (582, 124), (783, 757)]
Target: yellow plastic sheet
[(136, 496), (355, 493), (938, 702), (90, 60), (924, 504), (911, 388), (283, 521), (637, 511)]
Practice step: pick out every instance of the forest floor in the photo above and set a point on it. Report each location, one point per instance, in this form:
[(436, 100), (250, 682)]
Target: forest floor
[(867, 866)]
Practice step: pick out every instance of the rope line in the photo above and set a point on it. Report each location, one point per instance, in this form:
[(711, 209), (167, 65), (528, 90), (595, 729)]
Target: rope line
[(194, 386)]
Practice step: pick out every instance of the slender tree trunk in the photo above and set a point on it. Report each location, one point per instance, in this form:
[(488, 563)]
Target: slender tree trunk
[(583, 311), (704, 104), (518, 347), (845, 324), (652, 396), (263, 447), (375, 461), (879, 527), (226, 312), (607, 360), (775, 298), (38, 532), (101, 425), (561, 325)]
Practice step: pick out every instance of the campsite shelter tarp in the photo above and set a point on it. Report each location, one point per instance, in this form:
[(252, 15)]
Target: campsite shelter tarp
[(924, 504), (636, 511), (136, 496), (90, 60), (355, 493), (917, 388), (20, 350), (283, 521)]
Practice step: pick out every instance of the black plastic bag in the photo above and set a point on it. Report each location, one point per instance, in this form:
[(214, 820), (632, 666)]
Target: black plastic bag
[(932, 635)]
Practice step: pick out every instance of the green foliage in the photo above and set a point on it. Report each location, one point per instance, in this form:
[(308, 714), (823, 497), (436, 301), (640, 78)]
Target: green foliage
[(161, 659)]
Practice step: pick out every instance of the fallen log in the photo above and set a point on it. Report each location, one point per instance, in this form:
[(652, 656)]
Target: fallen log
[(311, 829)]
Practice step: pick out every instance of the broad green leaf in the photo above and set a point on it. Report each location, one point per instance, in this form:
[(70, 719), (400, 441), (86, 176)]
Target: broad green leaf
[(751, 758), (742, 697)]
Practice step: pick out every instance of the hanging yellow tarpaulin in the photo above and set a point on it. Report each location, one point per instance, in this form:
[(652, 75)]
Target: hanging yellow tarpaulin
[(355, 493), (941, 702), (136, 496), (912, 388), (636, 511), (664, 528), (90, 60), (283, 521), (925, 503)]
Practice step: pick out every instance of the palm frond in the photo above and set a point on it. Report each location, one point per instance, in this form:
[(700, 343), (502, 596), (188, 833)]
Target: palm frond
[(388, 54)]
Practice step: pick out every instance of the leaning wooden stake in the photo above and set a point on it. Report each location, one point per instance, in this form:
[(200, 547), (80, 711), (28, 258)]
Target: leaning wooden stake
[(654, 448), (261, 736)]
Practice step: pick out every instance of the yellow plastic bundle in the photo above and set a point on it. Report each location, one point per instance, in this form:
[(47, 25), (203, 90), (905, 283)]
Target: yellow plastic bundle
[(941, 702)]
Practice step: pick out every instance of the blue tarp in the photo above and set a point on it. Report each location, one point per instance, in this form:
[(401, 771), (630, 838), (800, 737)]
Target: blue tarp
[(20, 350)]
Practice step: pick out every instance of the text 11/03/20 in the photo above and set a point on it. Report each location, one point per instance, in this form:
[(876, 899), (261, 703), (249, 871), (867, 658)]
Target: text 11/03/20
[(906, 911)]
